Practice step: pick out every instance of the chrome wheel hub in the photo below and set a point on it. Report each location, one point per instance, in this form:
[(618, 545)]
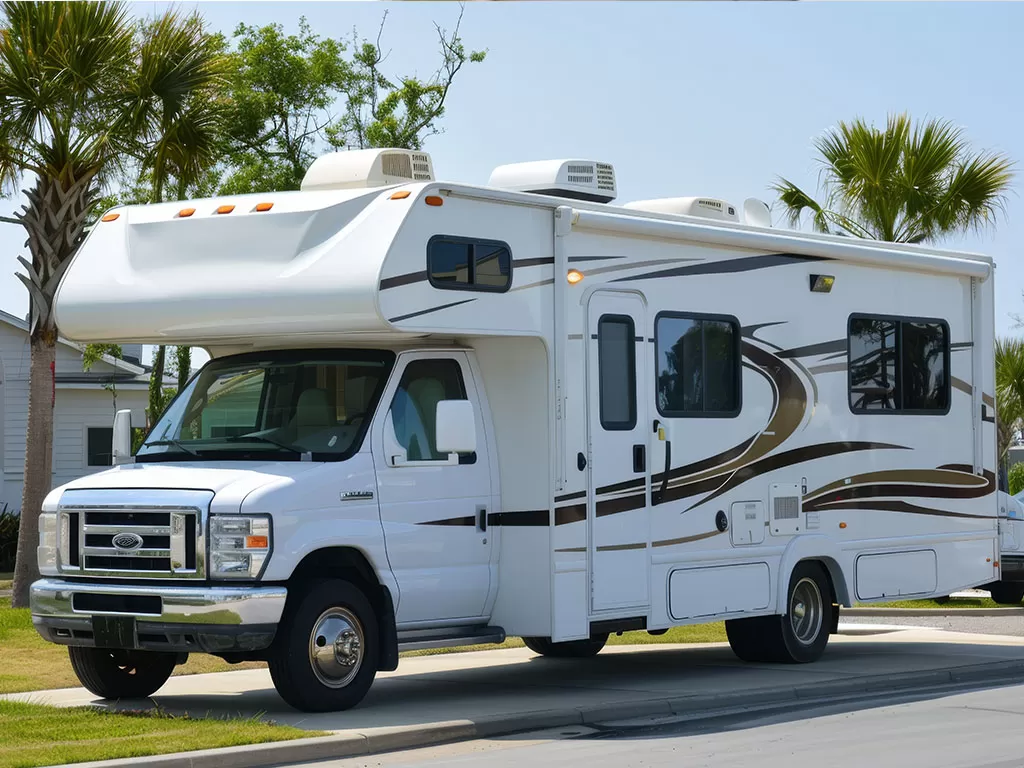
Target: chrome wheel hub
[(336, 647), (806, 611)]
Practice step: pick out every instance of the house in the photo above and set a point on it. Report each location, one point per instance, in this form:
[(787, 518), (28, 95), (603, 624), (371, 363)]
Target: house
[(84, 406)]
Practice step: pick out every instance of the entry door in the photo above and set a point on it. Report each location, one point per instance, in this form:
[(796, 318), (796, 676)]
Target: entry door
[(434, 512), (619, 461)]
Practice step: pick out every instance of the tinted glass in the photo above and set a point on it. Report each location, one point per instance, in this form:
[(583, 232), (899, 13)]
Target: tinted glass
[(493, 264), (616, 362), (873, 382), (424, 384), (698, 366), (100, 440), (923, 354), (449, 262), (721, 366)]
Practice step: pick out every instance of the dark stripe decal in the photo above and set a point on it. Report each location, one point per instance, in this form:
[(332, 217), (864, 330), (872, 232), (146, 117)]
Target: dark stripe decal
[(455, 521), (620, 547), (814, 350), (898, 506), (529, 517), (577, 259), (417, 277), (428, 311), (744, 264), (571, 496), (521, 263), (574, 514), (684, 539)]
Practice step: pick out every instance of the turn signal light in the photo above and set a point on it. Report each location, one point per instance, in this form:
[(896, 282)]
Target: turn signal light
[(110, 217), (256, 542), (433, 200), (400, 195)]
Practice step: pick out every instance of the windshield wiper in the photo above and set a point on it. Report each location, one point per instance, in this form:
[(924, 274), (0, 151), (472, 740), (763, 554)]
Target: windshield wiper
[(171, 441), (262, 439)]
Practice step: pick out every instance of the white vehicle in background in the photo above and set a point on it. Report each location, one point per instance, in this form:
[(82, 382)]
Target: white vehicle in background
[(1009, 590), (439, 414)]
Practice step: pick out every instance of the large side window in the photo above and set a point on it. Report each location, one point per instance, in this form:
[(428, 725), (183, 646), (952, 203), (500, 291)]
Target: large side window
[(424, 384), (616, 365), (898, 365), (459, 263), (699, 366)]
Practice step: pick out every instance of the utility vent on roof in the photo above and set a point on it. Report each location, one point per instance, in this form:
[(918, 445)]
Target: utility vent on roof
[(706, 207), (363, 168), (573, 179)]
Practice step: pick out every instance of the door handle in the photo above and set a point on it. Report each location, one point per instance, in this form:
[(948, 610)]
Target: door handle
[(640, 458), (481, 515)]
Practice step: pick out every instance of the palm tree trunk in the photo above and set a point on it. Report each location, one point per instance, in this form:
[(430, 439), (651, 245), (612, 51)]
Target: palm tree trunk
[(183, 354), (156, 385), (38, 460)]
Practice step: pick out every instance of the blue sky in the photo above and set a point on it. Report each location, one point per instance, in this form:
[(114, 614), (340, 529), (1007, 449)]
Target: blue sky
[(689, 98)]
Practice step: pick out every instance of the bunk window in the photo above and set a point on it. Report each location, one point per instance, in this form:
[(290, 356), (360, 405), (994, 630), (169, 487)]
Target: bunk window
[(699, 365), (465, 264), (616, 365), (898, 365)]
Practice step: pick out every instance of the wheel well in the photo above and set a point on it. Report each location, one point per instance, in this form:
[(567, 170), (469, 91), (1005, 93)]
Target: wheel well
[(351, 565), (836, 582)]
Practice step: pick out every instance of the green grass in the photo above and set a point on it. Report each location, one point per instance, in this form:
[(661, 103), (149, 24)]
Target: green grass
[(34, 735), (30, 663), (6, 579), (955, 602)]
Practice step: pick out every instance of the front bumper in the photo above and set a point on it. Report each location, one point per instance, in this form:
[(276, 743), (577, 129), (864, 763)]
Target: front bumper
[(157, 618)]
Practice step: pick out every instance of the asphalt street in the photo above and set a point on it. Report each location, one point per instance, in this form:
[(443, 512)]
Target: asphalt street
[(1011, 626), (976, 729)]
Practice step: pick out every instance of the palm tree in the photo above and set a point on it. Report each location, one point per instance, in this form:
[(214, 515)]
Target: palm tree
[(1009, 392), (84, 89), (904, 183)]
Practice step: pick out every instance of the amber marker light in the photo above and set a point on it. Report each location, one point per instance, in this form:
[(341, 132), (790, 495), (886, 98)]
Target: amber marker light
[(402, 194), (842, 525), (261, 207), (574, 276), (433, 200), (225, 209), (110, 217), (184, 213), (256, 542)]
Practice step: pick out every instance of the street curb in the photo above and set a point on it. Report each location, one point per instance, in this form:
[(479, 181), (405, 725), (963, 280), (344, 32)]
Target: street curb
[(355, 744), (918, 612)]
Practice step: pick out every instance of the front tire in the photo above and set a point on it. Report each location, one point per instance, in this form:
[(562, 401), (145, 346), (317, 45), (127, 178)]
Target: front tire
[(798, 637), (571, 649), (326, 653), (117, 674), (1006, 593)]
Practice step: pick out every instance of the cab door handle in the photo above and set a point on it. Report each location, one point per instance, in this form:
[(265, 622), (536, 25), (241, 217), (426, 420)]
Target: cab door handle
[(640, 458), (481, 516)]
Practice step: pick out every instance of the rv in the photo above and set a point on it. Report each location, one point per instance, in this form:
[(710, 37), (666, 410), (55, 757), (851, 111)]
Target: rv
[(439, 414)]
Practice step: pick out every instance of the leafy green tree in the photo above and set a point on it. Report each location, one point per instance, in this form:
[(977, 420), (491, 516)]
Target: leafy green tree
[(1009, 355), (83, 88), (284, 92), (910, 183)]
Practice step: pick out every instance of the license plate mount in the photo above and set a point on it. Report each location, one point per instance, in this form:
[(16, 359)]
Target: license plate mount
[(114, 631)]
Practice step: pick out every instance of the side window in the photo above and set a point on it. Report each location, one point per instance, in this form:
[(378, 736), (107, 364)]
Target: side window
[(616, 366), (898, 365), (424, 384), (699, 365), (458, 263)]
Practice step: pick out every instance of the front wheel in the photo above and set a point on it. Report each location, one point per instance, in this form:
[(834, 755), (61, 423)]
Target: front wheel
[(798, 637), (116, 674), (325, 655), (570, 649), (1006, 593)]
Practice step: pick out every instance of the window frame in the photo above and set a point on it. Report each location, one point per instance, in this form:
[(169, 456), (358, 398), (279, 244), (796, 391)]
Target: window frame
[(899, 320), (471, 286), (618, 426), (738, 346)]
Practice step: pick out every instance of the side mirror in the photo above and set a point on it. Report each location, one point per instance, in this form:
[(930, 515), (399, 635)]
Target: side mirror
[(456, 426), (122, 438)]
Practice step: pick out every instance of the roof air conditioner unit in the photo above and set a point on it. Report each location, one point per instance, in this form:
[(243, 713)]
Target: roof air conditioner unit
[(705, 207), (574, 179), (365, 168)]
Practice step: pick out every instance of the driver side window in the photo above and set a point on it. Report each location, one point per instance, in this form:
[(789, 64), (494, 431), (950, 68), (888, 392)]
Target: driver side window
[(424, 384)]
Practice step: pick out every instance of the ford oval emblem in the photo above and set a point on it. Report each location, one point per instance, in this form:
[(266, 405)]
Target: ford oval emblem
[(127, 541)]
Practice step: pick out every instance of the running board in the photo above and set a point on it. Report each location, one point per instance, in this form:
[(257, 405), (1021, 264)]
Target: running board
[(448, 637)]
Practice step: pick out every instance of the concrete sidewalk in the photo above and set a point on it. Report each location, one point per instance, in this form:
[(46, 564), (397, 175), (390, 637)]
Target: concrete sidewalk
[(466, 695)]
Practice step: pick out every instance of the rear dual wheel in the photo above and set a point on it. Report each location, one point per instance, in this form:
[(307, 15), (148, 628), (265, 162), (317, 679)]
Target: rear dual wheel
[(571, 649), (798, 637)]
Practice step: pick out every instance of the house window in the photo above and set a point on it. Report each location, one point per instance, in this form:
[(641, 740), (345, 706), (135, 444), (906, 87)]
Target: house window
[(898, 365), (699, 365), (458, 263), (616, 365), (99, 446)]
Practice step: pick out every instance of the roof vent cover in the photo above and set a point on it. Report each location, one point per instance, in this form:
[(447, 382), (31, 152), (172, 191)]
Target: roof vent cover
[(573, 179), (365, 168)]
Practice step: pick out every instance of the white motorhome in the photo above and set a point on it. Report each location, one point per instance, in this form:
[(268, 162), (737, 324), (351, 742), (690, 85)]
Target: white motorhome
[(440, 414)]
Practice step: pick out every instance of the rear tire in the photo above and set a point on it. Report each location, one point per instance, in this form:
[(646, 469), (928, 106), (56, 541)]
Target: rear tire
[(1006, 593), (798, 637), (571, 649), (117, 674), (325, 655)]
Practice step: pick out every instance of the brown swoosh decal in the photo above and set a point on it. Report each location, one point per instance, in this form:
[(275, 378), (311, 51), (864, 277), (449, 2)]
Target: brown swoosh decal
[(684, 539), (742, 264), (815, 350), (898, 506), (944, 477), (428, 311)]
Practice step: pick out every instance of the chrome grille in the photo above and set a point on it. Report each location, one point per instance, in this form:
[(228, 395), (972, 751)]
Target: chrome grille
[(140, 534)]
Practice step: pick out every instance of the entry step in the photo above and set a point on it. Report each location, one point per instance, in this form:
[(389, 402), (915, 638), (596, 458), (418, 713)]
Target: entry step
[(449, 637)]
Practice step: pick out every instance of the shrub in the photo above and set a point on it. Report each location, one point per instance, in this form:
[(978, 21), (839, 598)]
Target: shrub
[(1016, 479), (9, 520)]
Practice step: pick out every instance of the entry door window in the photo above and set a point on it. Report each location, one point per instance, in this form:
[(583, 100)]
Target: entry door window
[(424, 384), (616, 365)]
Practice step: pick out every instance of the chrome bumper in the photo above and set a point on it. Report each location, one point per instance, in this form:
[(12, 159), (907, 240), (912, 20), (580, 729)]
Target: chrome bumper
[(178, 618)]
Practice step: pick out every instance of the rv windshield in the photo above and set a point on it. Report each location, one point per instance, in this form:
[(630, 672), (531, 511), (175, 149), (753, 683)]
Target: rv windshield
[(281, 405)]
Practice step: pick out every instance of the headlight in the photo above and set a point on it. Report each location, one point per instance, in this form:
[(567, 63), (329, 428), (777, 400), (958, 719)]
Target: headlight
[(239, 546), (46, 553)]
